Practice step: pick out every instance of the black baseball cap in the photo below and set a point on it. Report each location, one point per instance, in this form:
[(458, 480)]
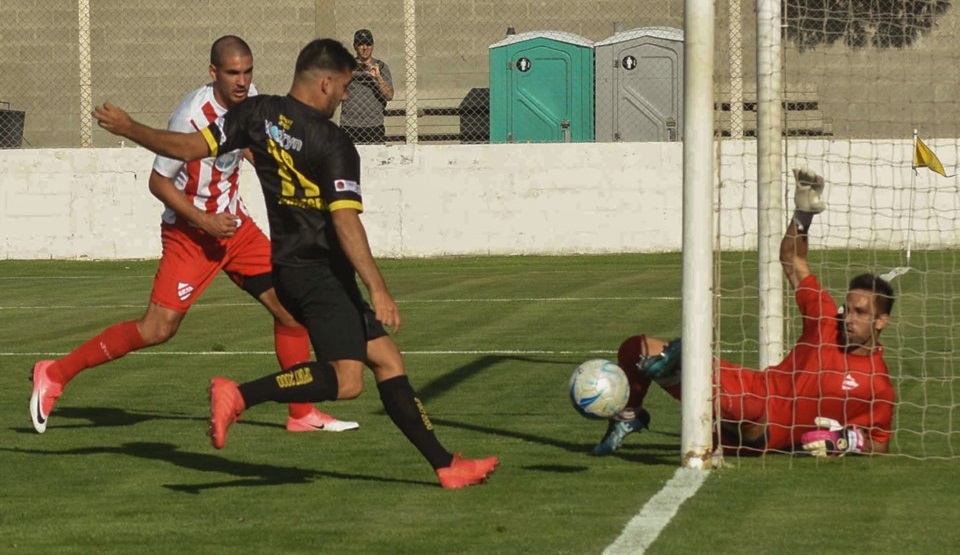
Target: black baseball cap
[(363, 36)]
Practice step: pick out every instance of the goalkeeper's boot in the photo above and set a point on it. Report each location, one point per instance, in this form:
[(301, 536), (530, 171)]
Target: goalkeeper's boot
[(466, 472), (317, 421), (226, 405), (45, 394), (665, 364), (618, 430)]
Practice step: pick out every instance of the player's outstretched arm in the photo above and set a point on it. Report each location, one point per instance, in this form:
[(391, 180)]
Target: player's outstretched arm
[(353, 239), (793, 255), (182, 146), (807, 201)]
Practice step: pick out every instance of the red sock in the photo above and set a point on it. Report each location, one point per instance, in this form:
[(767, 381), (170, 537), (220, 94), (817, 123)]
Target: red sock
[(292, 344), (112, 343)]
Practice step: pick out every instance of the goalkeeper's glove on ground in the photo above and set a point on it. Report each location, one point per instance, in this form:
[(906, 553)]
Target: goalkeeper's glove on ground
[(807, 198), (835, 440)]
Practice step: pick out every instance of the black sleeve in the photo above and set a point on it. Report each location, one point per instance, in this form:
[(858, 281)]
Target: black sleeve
[(340, 173), (231, 131)]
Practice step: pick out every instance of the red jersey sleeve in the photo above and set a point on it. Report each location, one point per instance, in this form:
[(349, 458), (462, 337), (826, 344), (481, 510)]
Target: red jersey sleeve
[(819, 312)]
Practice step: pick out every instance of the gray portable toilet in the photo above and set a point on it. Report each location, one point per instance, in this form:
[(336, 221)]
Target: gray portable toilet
[(639, 88)]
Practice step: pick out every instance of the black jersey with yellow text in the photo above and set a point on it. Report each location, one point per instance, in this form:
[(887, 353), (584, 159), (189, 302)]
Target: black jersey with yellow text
[(308, 167)]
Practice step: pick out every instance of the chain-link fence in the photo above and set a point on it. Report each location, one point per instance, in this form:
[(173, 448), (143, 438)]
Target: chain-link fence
[(477, 71)]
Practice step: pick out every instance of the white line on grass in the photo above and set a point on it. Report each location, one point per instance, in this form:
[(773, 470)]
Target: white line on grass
[(644, 528), (271, 353), (406, 301)]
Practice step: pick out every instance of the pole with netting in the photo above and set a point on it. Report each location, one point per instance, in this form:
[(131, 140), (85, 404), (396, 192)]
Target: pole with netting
[(697, 325), (769, 184)]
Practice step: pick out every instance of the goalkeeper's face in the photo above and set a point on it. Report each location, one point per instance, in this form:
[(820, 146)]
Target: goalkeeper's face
[(862, 322)]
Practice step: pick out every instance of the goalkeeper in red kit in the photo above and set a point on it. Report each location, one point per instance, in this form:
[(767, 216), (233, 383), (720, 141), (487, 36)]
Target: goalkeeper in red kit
[(831, 395)]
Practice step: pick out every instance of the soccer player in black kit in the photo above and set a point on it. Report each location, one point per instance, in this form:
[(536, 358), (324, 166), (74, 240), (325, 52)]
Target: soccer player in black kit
[(310, 174)]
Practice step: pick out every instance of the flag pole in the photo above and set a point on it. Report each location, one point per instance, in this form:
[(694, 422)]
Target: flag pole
[(913, 194), (901, 270)]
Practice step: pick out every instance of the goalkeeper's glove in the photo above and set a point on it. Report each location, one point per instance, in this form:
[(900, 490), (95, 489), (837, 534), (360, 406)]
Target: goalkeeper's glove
[(806, 198), (835, 441)]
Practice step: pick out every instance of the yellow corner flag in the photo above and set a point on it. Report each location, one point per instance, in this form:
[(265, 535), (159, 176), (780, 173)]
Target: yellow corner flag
[(923, 157)]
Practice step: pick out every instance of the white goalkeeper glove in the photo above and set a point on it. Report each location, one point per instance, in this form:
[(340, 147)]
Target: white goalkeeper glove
[(807, 197), (835, 441)]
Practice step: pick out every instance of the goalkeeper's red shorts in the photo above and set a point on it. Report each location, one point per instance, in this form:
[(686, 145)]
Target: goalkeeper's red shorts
[(191, 259), (743, 393), (745, 399)]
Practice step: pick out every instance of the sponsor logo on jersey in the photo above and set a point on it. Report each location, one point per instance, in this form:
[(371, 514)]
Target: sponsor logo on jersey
[(285, 122), (343, 185), (228, 161), (184, 290), (280, 136), (849, 383)]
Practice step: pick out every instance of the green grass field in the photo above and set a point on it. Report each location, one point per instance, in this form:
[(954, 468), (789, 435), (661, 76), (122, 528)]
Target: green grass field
[(125, 465)]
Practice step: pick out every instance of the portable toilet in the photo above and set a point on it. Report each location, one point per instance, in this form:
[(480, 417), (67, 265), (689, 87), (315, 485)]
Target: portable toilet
[(640, 85), (541, 88)]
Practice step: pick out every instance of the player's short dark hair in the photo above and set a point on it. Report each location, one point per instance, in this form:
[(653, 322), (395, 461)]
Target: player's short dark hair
[(226, 45), (325, 55), (881, 288)]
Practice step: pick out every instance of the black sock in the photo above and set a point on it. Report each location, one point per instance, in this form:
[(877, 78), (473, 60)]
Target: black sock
[(407, 413), (304, 383)]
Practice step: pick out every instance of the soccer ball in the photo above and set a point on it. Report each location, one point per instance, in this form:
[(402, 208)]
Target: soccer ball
[(599, 389)]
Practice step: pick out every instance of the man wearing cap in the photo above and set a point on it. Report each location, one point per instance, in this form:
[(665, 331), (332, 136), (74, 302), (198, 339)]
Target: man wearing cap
[(361, 113)]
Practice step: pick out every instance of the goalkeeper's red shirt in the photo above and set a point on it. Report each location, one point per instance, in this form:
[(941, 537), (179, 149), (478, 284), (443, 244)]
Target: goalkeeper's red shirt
[(817, 378)]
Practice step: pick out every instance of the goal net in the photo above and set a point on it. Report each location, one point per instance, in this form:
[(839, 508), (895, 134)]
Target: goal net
[(857, 80)]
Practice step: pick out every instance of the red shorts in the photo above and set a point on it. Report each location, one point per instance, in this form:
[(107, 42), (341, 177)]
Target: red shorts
[(191, 259), (745, 399), (742, 393)]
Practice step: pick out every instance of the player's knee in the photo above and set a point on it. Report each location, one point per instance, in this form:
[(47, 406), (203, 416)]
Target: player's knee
[(350, 390), (157, 332), (349, 379), (630, 352)]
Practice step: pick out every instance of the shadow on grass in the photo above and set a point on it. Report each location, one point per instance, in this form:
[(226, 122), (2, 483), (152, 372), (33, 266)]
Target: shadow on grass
[(635, 450), (643, 453), (248, 474), (106, 417)]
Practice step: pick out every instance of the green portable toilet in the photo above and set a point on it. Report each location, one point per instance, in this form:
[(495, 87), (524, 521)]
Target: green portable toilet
[(541, 88)]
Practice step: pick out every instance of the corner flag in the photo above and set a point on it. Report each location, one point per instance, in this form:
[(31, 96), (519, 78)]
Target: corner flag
[(923, 157)]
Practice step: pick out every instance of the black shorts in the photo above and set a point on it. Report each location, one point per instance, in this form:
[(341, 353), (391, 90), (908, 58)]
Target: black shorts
[(330, 306)]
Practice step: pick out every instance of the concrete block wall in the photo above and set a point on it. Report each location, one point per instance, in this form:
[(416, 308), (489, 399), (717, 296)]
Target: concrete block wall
[(498, 199), (148, 53)]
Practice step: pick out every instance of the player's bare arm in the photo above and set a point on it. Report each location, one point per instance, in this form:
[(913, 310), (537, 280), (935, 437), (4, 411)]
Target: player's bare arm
[(353, 239), (181, 146), (218, 225), (793, 255)]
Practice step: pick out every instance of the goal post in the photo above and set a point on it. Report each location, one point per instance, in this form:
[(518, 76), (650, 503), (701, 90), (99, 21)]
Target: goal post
[(698, 194)]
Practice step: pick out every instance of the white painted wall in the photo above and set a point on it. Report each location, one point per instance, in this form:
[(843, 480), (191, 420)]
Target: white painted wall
[(494, 199)]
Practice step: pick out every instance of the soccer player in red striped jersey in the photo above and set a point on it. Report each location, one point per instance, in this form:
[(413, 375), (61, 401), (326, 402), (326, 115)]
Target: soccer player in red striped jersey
[(205, 229), (831, 395)]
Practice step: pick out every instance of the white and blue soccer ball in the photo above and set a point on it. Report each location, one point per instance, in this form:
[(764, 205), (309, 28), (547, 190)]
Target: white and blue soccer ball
[(599, 389)]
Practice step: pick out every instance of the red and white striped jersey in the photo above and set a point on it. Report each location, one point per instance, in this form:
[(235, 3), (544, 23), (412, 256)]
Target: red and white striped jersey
[(210, 183)]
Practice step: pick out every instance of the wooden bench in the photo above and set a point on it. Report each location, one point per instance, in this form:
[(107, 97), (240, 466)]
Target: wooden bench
[(439, 119)]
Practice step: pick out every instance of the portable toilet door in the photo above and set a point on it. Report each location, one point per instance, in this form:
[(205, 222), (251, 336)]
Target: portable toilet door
[(541, 88), (640, 85)]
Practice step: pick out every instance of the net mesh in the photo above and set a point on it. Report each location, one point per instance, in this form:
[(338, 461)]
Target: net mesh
[(858, 79)]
